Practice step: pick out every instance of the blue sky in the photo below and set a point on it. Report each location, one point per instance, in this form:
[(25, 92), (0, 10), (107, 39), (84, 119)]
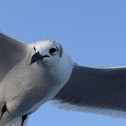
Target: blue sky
[(93, 32)]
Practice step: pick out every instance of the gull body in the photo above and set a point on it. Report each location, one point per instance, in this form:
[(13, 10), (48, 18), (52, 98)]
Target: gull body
[(27, 86), (32, 74)]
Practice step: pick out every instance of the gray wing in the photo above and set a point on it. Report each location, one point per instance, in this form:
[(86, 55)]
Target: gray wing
[(11, 52), (95, 90)]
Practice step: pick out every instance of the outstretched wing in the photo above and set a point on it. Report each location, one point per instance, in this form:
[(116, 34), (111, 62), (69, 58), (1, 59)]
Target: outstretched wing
[(11, 52), (95, 90)]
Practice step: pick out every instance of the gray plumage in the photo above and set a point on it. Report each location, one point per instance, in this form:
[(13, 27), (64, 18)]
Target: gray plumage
[(26, 86), (95, 90), (32, 74)]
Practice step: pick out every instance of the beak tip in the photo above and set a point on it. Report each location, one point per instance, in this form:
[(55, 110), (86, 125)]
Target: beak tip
[(36, 57)]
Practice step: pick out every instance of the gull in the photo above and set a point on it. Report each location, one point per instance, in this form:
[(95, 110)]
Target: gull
[(33, 74)]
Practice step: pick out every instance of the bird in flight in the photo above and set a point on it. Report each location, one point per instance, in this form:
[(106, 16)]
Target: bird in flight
[(33, 74)]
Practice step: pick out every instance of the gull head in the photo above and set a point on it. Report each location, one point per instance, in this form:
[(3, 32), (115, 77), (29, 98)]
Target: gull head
[(47, 51), (51, 56)]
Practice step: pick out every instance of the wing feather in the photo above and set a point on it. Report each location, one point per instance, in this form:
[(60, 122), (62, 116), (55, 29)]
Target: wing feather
[(95, 90), (11, 52)]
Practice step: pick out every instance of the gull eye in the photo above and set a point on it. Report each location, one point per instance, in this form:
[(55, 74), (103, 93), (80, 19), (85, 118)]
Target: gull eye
[(52, 51), (34, 48)]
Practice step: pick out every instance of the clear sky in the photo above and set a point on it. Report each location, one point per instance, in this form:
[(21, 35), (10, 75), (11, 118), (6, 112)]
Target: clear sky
[(92, 32)]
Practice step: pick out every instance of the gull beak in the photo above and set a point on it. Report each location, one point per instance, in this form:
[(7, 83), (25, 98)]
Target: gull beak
[(36, 57)]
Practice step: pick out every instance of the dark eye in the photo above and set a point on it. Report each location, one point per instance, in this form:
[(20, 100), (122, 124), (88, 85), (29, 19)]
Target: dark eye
[(52, 51), (34, 48)]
